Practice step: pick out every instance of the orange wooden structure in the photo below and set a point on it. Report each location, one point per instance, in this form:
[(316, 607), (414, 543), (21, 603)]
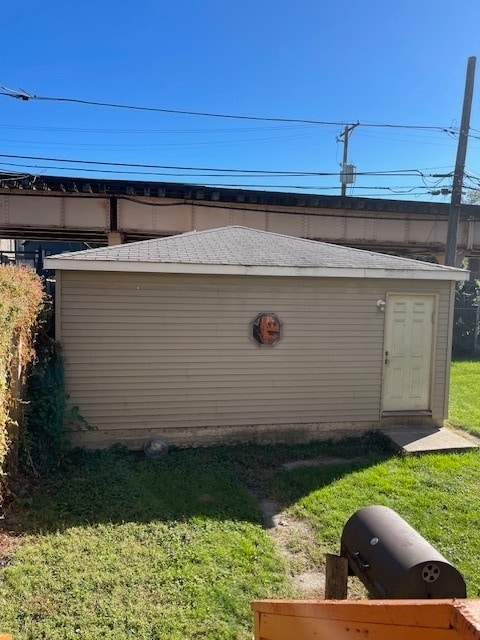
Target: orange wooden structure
[(367, 619)]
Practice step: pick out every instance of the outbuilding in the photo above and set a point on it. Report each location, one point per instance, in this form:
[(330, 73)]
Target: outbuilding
[(241, 335)]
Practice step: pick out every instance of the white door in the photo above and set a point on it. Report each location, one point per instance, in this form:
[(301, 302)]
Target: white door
[(409, 331)]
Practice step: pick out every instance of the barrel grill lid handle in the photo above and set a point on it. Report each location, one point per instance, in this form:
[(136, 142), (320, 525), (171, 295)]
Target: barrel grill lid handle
[(362, 563)]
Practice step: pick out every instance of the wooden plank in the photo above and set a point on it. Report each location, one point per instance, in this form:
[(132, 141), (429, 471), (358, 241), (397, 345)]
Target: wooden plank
[(374, 619), (273, 627), (336, 577), (409, 612), (466, 619)]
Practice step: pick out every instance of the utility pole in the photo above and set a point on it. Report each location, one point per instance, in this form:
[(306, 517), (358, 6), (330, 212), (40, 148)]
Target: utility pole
[(454, 214), (343, 174)]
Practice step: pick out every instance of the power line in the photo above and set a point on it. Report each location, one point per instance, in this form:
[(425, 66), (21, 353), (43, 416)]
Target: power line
[(221, 171), (400, 189), (160, 166), (245, 139), (23, 95), (397, 189), (150, 131)]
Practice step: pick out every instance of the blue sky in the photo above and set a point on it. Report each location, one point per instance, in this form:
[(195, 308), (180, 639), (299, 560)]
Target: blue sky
[(371, 61)]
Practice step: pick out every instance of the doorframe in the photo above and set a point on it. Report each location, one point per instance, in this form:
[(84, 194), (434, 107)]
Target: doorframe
[(388, 296)]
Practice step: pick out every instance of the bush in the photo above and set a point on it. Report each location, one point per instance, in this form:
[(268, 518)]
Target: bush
[(21, 299)]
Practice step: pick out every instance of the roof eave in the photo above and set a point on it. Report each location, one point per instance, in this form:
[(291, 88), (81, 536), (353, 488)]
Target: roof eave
[(247, 270)]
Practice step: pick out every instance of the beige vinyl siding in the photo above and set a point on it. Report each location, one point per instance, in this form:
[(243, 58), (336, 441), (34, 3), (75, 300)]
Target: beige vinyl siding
[(171, 355)]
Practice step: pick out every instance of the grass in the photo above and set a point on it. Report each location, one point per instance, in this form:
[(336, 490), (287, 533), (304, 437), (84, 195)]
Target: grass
[(158, 580), (465, 395), (116, 545), (119, 546), (437, 494)]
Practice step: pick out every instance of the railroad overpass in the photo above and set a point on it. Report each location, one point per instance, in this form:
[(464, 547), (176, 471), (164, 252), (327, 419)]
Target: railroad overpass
[(114, 211)]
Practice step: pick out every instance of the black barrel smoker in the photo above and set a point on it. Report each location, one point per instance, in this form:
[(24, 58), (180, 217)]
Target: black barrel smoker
[(394, 561)]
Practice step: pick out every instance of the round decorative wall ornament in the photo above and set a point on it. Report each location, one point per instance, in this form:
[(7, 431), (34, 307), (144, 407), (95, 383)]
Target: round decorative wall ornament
[(266, 329)]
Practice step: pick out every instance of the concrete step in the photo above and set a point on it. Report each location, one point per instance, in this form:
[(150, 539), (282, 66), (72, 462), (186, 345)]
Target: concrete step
[(416, 440)]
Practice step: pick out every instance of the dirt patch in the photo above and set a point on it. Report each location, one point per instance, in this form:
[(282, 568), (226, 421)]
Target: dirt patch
[(9, 541), (296, 543)]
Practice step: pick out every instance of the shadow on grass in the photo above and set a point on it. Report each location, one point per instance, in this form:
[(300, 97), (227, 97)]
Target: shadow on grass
[(117, 486)]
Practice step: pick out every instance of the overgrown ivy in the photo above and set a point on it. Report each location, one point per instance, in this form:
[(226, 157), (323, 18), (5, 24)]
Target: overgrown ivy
[(44, 439), (466, 318), (48, 419)]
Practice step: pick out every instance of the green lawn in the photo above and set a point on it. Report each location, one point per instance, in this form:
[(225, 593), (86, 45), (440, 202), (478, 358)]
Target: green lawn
[(123, 547), (465, 395), (118, 546), (437, 494)]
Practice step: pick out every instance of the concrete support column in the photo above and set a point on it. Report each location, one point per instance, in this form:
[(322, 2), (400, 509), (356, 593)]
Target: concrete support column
[(115, 237)]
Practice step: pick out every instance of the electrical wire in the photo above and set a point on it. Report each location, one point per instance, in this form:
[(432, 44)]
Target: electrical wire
[(398, 189), (221, 171), (208, 172), (207, 204), (154, 131), (170, 167), (23, 95), (245, 140)]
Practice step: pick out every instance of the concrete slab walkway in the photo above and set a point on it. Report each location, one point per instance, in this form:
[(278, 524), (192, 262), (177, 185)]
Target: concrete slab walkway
[(416, 440)]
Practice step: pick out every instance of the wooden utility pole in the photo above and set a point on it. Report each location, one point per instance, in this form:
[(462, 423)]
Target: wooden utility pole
[(454, 215), (345, 134)]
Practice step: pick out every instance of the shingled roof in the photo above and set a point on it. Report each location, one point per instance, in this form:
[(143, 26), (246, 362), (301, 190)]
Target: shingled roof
[(245, 251)]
